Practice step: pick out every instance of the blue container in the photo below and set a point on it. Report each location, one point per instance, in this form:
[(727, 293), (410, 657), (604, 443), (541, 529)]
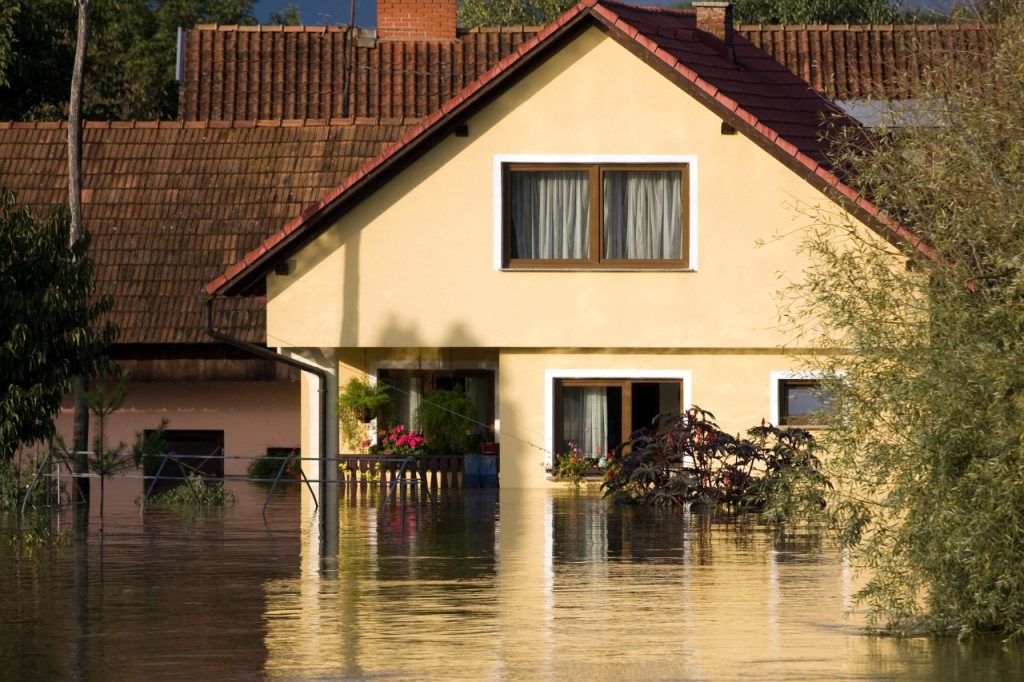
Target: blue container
[(480, 471)]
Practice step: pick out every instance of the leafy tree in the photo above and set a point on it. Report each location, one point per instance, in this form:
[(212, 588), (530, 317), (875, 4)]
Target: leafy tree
[(928, 456), (473, 13), (132, 49), (46, 335), (290, 16), (814, 12)]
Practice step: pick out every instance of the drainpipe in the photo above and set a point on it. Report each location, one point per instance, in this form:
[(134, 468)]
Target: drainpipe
[(291, 362)]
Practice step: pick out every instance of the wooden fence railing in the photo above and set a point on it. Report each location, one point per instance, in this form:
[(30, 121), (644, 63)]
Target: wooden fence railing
[(442, 471)]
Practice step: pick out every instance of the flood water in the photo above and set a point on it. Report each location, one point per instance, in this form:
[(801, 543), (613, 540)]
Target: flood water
[(522, 585)]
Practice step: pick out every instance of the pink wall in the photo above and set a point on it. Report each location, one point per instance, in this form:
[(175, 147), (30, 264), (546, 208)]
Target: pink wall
[(254, 415)]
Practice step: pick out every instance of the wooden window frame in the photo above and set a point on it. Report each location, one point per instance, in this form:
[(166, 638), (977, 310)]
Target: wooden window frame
[(625, 384), (595, 260), (785, 421)]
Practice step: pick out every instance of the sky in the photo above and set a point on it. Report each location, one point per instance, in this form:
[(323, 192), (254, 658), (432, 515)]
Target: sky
[(321, 12)]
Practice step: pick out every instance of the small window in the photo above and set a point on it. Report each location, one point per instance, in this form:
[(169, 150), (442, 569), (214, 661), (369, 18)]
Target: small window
[(596, 415), (803, 402), (595, 216)]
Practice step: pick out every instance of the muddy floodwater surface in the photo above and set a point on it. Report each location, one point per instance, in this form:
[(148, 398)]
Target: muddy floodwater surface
[(521, 584)]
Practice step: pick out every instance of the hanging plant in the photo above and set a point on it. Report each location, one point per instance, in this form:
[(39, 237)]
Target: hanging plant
[(362, 400)]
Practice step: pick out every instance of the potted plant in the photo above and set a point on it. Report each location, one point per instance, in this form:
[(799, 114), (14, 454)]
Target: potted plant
[(363, 400)]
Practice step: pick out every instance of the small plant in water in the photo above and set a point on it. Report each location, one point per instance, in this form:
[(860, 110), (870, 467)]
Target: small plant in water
[(266, 468), (195, 492)]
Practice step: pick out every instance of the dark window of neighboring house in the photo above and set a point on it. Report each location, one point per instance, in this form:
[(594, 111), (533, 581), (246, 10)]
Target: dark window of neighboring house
[(598, 414), (200, 451), (802, 402), (411, 387), (581, 216)]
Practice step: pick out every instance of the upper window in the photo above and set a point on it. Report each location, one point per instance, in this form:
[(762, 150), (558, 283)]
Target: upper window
[(595, 216)]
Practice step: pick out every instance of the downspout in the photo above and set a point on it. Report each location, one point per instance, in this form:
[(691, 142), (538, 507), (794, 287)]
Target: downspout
[(291, 362)]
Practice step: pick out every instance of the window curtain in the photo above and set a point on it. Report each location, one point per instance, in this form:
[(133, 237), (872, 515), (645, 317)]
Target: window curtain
[(477, 390), (550, 214), (643, 214), (406, 393), (585, 419)]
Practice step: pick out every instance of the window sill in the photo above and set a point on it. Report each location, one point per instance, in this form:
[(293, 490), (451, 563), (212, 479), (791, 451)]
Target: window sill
[(563, 268)]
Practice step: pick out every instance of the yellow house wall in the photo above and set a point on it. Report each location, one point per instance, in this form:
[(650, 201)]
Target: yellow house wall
[(414, 265), (412, 269), (734, 384)]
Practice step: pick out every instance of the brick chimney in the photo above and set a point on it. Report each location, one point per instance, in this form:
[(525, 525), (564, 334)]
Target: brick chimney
[(715, 18), (416, 19)]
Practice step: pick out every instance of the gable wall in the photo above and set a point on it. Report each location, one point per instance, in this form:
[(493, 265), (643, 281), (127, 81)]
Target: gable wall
[(414, 265)]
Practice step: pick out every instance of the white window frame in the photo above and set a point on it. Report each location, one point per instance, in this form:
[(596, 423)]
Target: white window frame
[(778, 377), (552, 375), (690, 160)]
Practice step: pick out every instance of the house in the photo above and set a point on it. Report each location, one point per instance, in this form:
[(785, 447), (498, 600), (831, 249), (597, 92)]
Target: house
[(274, 118), (576, 234)]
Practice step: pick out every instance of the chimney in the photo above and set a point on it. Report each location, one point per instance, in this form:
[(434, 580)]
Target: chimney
[(716, 18), (416, 19)]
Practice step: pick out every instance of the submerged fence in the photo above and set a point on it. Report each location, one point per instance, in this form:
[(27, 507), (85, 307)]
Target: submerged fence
[(433, 473)]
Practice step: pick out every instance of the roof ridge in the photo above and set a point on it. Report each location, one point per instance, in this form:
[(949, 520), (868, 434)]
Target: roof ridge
[(207, 124), (958, 26)]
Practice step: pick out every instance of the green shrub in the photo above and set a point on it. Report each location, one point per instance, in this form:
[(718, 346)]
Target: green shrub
[(448, 420), (194, 492), (687, 459)]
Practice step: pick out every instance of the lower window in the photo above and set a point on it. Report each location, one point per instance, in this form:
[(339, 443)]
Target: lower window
[(596, 415), (803, 402)]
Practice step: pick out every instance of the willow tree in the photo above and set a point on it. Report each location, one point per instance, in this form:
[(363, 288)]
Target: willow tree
[(927, 341)]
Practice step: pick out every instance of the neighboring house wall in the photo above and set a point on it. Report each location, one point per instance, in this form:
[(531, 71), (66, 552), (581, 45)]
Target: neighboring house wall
[(414, 267), (254, 415)]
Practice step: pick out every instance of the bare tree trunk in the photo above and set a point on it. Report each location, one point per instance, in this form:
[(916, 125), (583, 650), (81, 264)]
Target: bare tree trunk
[(80, 437)]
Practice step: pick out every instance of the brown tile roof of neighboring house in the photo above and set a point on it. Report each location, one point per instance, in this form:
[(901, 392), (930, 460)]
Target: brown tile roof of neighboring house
[(859, 62), (759, 96), (264, 72), (172, 204)]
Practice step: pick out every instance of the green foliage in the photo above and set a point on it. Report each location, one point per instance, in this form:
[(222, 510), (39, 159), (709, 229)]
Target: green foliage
[(447, 419), (358, 403), (814, 12), (928, 455), (131, 58), (195, 492), (289, 17), (268, 466), (572, 465), (687, 459), (473, 13), (14, 483), (50, 326)]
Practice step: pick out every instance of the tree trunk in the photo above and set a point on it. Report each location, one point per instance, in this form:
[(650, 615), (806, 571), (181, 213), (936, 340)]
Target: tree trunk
[(80, 439)]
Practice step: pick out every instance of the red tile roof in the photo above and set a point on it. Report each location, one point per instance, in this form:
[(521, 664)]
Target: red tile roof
[(268, 72), (859, 62), (265, 72), (171, 204), (763, 99)]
